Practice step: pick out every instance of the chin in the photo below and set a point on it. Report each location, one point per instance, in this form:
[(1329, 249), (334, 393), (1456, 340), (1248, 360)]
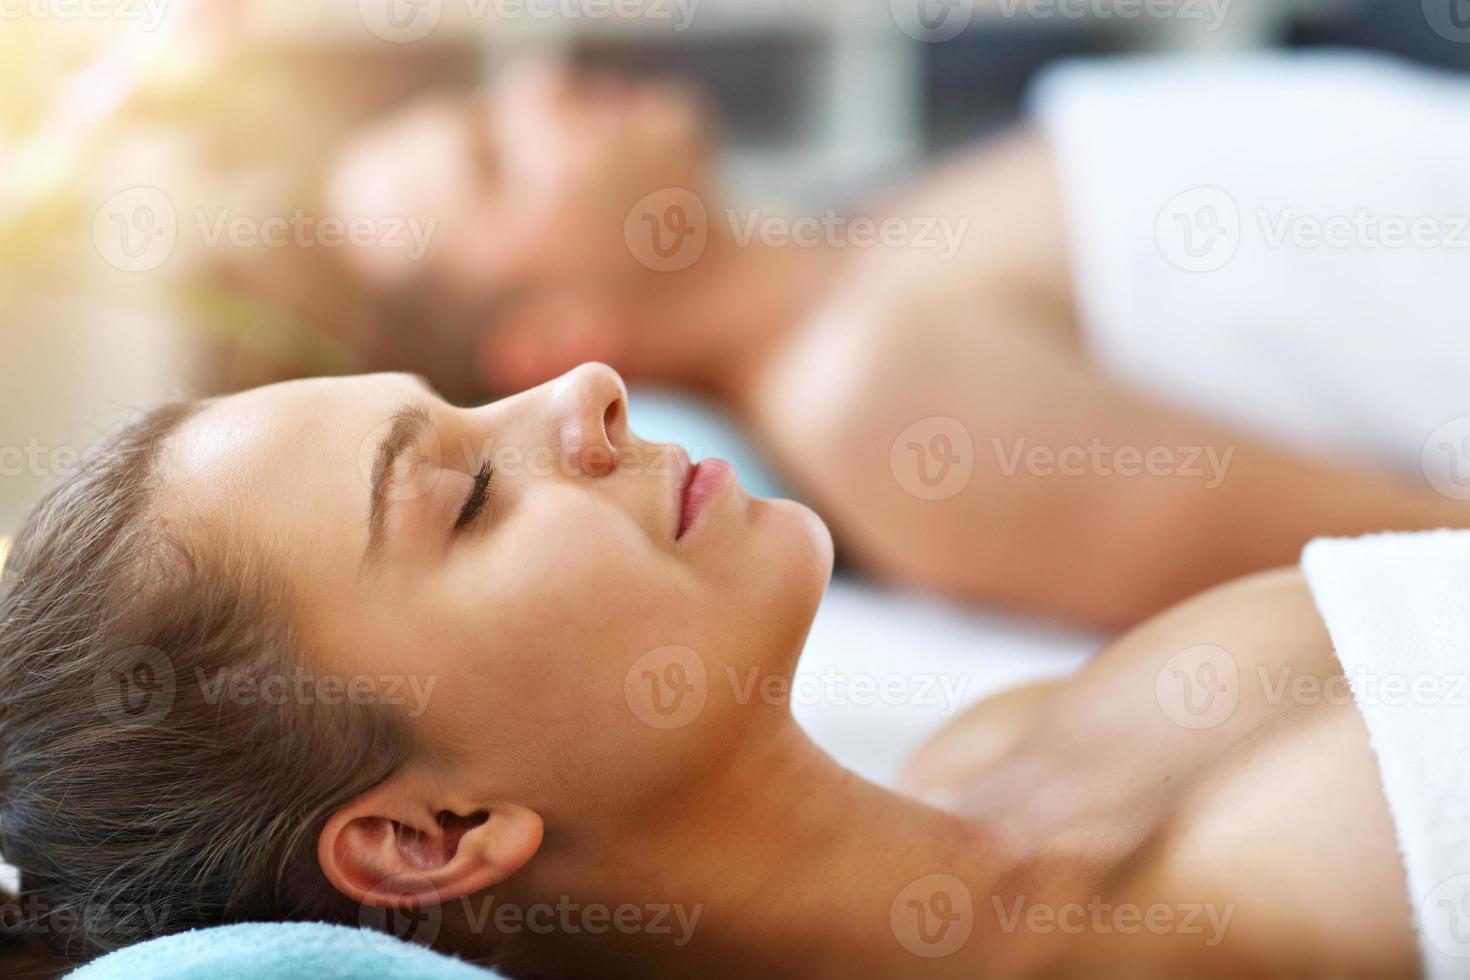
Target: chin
[(805, 546), (788, 565)]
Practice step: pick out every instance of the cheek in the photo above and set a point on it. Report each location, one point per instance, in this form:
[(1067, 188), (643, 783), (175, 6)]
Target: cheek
[(575, 586), (552, 624), (545, 635)]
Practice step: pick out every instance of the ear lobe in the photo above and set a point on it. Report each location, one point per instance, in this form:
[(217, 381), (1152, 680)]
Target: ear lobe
[(546, 337), (376, 854)]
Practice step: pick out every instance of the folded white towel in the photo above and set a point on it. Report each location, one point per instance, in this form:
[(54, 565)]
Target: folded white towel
[(1277, 240), (1398, 609)]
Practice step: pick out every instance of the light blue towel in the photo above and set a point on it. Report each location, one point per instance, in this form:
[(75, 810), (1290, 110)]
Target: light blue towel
[(278, 951)]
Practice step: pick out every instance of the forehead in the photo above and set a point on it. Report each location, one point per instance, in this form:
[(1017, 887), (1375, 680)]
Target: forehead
[(414, 161), (258, 465)]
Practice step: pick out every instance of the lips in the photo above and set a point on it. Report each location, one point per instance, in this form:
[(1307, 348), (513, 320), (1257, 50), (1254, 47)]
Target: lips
[(702, 484)]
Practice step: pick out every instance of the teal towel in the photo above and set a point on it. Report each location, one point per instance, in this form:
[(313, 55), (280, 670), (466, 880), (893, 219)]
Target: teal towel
[(278, 951)]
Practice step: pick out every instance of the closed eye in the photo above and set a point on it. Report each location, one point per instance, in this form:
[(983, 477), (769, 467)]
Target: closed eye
[(475, 503)]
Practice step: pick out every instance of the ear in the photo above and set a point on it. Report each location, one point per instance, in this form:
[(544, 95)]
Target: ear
[(544, 337), (397, 847)]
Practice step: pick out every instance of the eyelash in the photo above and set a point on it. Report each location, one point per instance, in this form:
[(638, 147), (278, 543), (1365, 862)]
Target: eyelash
[(474, 504)]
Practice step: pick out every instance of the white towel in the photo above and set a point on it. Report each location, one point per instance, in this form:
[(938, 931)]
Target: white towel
[(1277, 240), (1398, 609)]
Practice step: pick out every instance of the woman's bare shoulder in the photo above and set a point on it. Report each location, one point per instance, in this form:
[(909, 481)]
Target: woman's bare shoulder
[(974, 740), (1275, 607)]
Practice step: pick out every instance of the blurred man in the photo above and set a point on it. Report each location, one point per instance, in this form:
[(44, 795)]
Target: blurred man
[(1124, 337)]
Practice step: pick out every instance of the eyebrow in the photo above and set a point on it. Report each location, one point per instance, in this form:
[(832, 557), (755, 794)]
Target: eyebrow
[(404, 429)]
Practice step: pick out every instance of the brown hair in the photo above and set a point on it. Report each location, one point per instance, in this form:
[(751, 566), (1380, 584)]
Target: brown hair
[(134, 801)]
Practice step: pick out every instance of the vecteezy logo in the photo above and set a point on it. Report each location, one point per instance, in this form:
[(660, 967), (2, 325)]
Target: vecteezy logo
[(933, 20), (404, 930), (1198, 688), (136, 230), (668, 230), (667, 688), (115, 922), (1446, 459), (400, 21), (934, 458), (933, 916), (1450, 19), (1199, 230), (1446, 917), (136, 687)]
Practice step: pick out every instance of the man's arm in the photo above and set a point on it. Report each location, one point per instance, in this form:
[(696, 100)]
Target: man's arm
[(965, 451)]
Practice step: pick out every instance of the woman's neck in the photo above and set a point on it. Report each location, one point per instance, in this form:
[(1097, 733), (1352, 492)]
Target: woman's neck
[(782, 863)]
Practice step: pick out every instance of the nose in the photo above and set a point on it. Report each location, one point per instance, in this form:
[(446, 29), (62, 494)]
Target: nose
[(593, 413)]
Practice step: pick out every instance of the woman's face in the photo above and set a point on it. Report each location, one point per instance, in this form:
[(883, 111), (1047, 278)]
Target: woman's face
[(530, 184), (577, 598)]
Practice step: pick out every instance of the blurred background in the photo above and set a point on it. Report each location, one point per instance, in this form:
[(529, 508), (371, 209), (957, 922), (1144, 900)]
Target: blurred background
[(240, 106)]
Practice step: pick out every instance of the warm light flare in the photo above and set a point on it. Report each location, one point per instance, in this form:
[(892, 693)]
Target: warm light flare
[(45, 163), (4, 552)]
